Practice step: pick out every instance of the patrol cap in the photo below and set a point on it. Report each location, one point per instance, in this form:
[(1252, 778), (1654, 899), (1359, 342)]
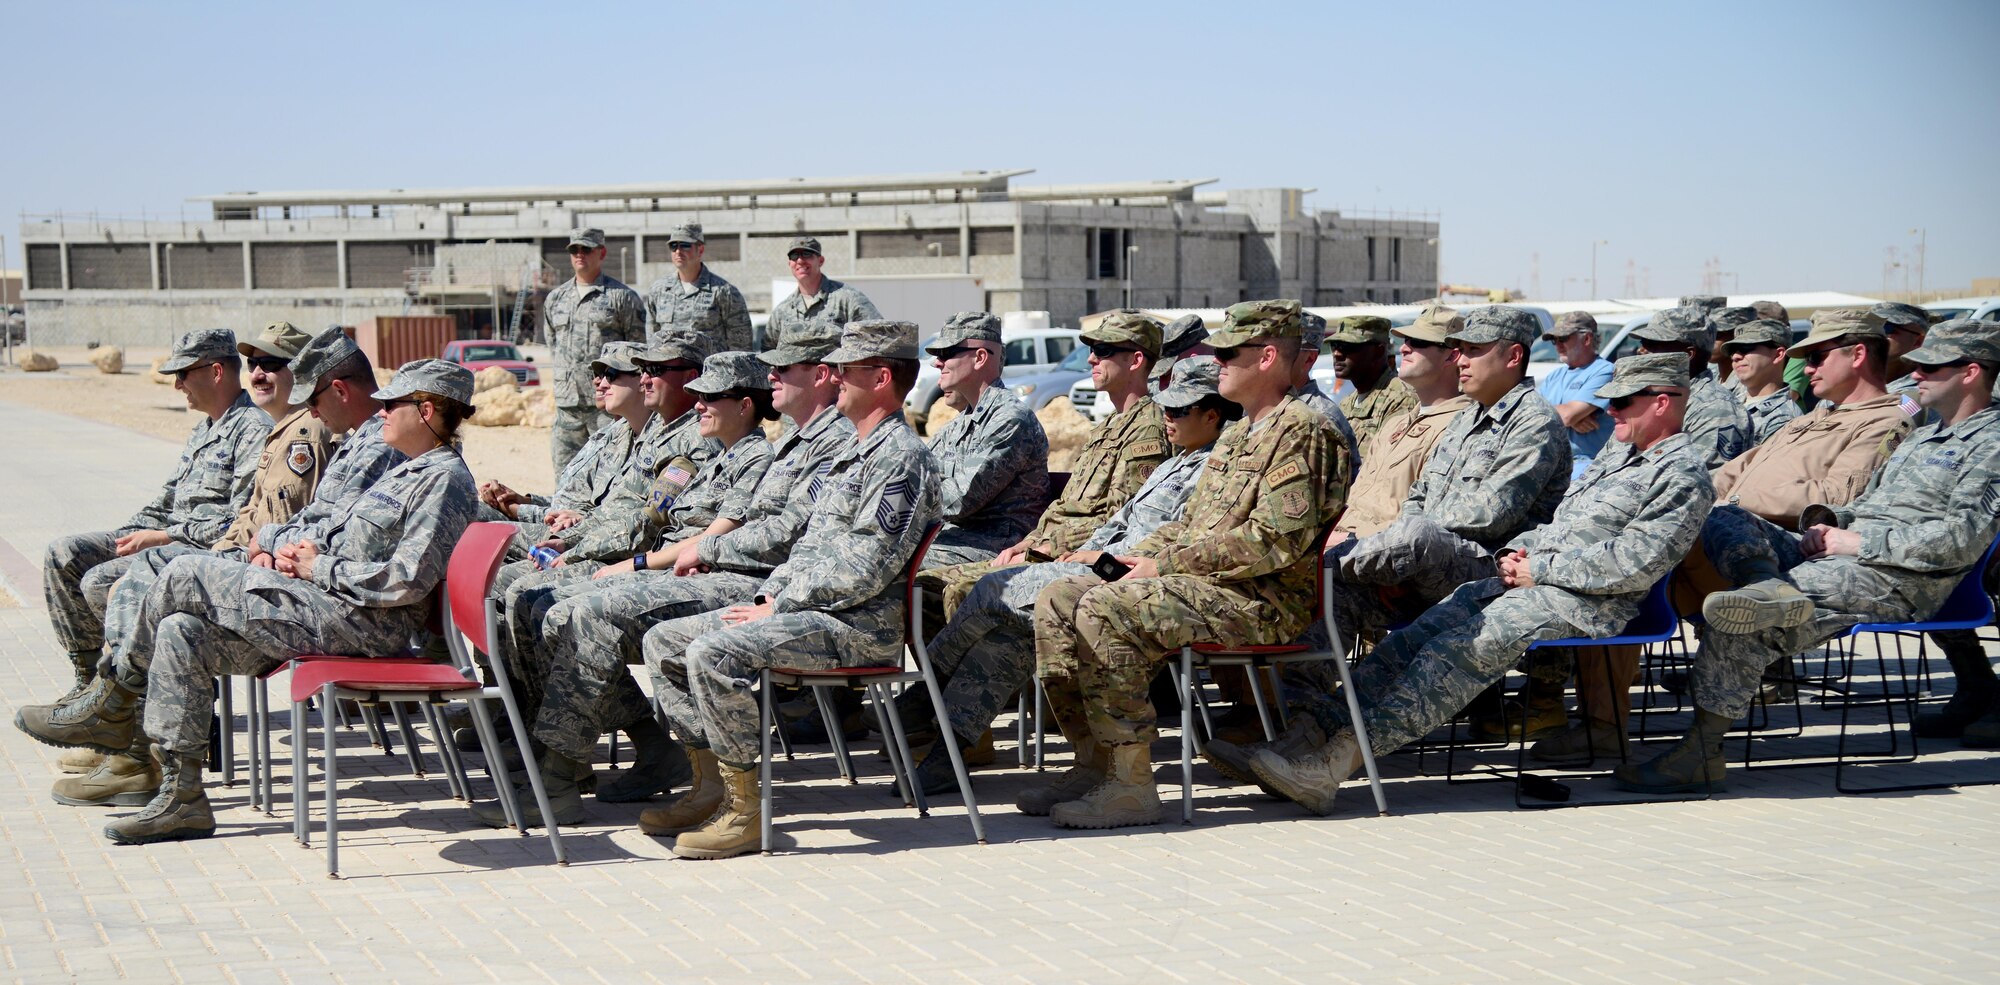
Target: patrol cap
[(673, 347), (686, 232), (1128, 326), (1708, 303), (1360, 329), (1248, 320), (806, 243), (1312, 330), (446, 379), (726, 371), (1730, 319), (593, 238), (1570, 323), (1832, 324), (1897, 314), (1498, 323), (203, 345), (1679, 326), (280, 338), (1194, 378), (1761, 331), (966, 326), (1434, 324), (1182, 334), (619, 357), (322, 355), (808, 343), (1635, 373), (1771, 309), (1959, 338), (875, 338)]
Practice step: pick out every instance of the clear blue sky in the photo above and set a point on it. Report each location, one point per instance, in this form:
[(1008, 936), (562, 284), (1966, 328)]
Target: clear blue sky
[(1793, 142)]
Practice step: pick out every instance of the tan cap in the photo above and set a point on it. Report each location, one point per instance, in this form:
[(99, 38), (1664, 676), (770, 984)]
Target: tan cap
[(1434, 324), (280, 338), (1832, 324)]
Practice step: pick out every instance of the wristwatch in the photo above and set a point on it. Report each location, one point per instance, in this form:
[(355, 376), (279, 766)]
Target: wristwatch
[(639, 561)]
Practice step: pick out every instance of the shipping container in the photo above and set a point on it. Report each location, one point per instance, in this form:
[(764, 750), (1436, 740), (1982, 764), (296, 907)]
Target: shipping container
[(393, 340)]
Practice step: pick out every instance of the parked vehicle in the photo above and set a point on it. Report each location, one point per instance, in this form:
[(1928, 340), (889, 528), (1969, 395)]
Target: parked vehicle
[(478, 354), (1985, 309)]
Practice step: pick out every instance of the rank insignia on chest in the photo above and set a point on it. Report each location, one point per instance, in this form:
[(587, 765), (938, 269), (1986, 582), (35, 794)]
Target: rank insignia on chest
[(299, 457)]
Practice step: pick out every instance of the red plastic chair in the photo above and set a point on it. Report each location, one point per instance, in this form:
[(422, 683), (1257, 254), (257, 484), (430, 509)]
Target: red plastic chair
[(471, 628), (876, 681)]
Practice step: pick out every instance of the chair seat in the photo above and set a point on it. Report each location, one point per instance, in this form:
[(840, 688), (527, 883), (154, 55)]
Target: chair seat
[(410, 656), (1928, 626), (386, 674), (839, 673)]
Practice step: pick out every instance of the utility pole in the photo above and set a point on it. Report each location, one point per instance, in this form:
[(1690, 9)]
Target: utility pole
[(1923, 237), (1594, 244)]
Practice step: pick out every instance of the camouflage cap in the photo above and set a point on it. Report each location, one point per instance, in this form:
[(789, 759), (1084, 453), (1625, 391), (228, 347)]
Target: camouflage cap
[(1761, 331), (686, 232), (1832, 324), (963, 327), (807, 343), (806, 243), (1434, 324), (619, 357), (1360, 329), (445, 379), (1959, 338), (1685, 325), (322, 355), (1312, 331), (726, 371), (1896, 314), (875, 338), (1127, 326), (674, 347), (593, 238), (1182, 334), (1570, 323), (1194, 378), (280, 338), (1248, 320), (1728, 319), (1708, 303), (1498, 323), (1635, 373), (203, 345), (1771, 309)]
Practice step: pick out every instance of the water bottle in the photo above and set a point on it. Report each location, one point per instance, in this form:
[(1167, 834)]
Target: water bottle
[(544, 556)]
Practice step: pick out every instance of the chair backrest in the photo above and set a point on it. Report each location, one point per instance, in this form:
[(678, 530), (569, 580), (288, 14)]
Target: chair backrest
[(1656, 617), (1969, 601), (1058, 481), (913, 608), (467, 579)]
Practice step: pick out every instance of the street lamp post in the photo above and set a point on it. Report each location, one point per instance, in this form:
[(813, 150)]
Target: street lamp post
[(1594, 244), (1923, 235), (1130, 252), (172, 316)]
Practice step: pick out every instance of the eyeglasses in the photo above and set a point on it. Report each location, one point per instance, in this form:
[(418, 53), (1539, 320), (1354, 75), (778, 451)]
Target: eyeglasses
[(576, 251), (844, 367), (657, 370), (1954, 364), (1350, 348), (612, 374), (1620, 403), (716, 398), (269, 364), (953, 352), (680, 247), (1109, 350)]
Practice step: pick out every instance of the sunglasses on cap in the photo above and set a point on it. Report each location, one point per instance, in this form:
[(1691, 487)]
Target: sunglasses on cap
[(269, 364), (657, 370), (1620, 403)]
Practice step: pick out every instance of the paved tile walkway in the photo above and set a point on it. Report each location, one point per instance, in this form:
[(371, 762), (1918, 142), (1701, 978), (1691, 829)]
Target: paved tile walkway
[(1780, 879)]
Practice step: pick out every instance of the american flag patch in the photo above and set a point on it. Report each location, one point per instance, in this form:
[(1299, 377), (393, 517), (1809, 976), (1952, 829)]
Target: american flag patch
[(1910, 406), (677, 475)]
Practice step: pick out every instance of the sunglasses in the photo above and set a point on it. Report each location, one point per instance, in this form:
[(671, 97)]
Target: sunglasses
[(657, 370), (611, 374), (681, 247), (576, 251), (1620, 403), (716, 398), (1818, 356), (1420, 345), (953, 352), (1349, 348), (844, 367), (1109, 350), (1177, 412), (400, 402), (796, 257), (1228, 354), (269, 364)]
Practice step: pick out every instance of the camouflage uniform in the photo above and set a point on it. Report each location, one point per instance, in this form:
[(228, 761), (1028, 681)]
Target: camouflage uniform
[(1768, 414), (1716, 421), (711, 309), (358, 462), (1622, 527), (383, 555), (1394, 461), (295, 454), (583, 484), (1323, 405), (836, 602), (834, 306), (578, 320), (1926, 517), (1368, 411), (994, 464), (217, 471)]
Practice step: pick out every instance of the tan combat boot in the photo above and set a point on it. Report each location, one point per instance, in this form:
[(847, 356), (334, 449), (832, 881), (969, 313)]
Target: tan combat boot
[(1092, 760), (1310, 779), (1768, 604), (735, 829), (1125, 798), (692, 808), (129, 779), (178, 812), (105, 718), (1694, 764), (79, 760), (1233, 760), (559, 781)]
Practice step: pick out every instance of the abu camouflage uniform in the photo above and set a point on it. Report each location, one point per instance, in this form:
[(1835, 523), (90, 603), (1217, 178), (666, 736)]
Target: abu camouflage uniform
[(578, 320), (382, 556), (710, 309), (1767, 414), (994, 466), (825, 313), (580, 487), (836, 602), (1716, 421)]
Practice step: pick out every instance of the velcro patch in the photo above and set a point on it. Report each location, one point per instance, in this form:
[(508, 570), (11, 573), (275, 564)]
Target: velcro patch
[(1295, 503), (299, 457), (672, 481), (1284, 473), (1147, 448)]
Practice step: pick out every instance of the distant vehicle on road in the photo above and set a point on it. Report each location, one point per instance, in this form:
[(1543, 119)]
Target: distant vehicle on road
[(478, 354), (1024, 354)]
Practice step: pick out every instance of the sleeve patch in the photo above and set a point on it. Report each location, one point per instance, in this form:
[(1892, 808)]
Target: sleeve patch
[(300, 458), (1990, 500), (1149, 448), (897, 505), (1285, 473), (1296, 503)]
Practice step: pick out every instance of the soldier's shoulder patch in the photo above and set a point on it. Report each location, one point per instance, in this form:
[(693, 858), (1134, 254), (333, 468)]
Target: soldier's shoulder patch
[(1285, 473), (1990, 500), (300, 457), (1147, 448), (1295, 503), (897, 505)]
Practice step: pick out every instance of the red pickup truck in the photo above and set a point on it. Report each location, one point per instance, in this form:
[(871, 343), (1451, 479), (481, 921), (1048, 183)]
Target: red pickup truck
[(478, 354)]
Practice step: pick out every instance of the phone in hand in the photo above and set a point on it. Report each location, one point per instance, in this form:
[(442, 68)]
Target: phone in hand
[(1038, 557), (1109, 568)]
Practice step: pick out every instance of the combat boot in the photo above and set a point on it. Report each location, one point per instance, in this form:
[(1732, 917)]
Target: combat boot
[(694, 807), (1768, 604), (79, 760), (178, 812), (1092, 760), (1580, 743), (1127, 796), (1543, 716), (84, 664), (658, 765), (1693, 764), (736, 828), (104, 718), (1233, 761), (934, 772), (558, 780), (124, 780), (1984, 732), (1311, 779), (1974, 696)]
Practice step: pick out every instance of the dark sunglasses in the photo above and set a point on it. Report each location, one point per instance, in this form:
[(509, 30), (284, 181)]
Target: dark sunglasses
[(269, 364), (580, 250), (680, 247), (1228, 354), (1109, 350), (611, 374), (953, 352), (1178, 412), (400, 402), (800, 255), (716, 398), (1420, 344), (657, 370), (1349, 348), (1620, 403), (1818, 356), (1954, 364)]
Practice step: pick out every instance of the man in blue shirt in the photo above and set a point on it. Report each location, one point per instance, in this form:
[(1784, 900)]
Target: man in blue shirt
[(1572, 389)]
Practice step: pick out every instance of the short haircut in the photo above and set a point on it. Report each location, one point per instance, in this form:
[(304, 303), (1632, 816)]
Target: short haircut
[(902, 375), (354, 367)]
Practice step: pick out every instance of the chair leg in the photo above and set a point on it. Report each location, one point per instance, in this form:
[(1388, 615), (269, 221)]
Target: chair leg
[(447, 752), (764, 723), (264, 742), (256, 751), (1257, 697), (330, 767), (534, 771), (1041, 715), (1021, 730), (225, 696), (901, 765), (943, 717), (300, 734), (496, 770), (1360, 728), (411, 753), (833, 733), (1186, 676)]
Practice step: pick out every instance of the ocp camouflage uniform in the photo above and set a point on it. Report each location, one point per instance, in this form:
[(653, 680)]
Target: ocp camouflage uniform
[(1368, 411), (836, 602), (1768, 414), (987, 651), (383, 554), (578, 320), (1716, 421), (1623, 526), (1925, 519), (710, 309), (993, 463), (1312, 396), (1394, 459), (824, 313), (594, 629), (1239, 569), (217, 471)]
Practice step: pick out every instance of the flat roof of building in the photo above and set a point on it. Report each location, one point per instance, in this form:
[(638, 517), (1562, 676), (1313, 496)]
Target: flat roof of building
[(985, 181)]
